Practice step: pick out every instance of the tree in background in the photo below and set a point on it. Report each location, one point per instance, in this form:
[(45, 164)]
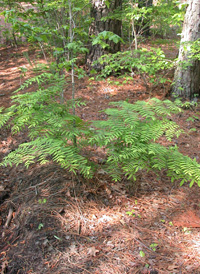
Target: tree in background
[(102, 22), (167, 18), (145, 22), (187, 74)]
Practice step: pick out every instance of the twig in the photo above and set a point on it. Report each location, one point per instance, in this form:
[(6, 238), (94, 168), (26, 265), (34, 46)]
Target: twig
[(137, 240), (9, 217), (43, 52)]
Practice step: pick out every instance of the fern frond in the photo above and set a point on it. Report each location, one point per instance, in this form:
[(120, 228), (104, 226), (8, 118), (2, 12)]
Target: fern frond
[(39, 79), (42, 149), (131, 137), (5, 116), (51, 126)]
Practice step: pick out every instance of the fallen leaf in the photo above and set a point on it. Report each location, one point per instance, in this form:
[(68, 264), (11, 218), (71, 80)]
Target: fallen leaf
[(3, 267), (92, 251), (1, 188), (172, 267), (73, 249)]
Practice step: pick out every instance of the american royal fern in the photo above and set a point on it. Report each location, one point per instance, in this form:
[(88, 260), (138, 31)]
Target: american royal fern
[(51, 126), (131, 137)]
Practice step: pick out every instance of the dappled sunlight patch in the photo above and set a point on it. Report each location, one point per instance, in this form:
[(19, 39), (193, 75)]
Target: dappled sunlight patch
[(113, 240), (66, 224), (78, 232), (7, 145), (189, 218)]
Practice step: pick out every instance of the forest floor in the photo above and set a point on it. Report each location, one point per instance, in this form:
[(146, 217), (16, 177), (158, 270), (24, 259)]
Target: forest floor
[(54, 222)]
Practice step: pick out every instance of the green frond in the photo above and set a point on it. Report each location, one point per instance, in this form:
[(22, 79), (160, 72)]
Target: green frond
[(5, 117), (39, 79), (131, 137), (42, 149)]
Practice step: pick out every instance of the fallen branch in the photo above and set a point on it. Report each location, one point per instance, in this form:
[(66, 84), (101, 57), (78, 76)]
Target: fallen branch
[(9, 217)]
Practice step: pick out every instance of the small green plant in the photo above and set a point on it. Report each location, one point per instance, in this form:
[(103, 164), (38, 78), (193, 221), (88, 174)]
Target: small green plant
[(42, 201), (186, 230), (196, 117), (193, 129), (40, 226), (50, 124), (193, 118), (190, 119), (131, 213), (130, 135), (189, 105), (142, 254), (153, 246)]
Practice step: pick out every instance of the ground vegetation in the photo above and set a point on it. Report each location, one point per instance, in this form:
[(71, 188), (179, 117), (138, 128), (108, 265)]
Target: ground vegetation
[(99, 168)]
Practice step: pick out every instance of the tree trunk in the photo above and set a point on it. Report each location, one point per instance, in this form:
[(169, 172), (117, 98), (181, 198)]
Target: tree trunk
[(187, 80), (99, 10)]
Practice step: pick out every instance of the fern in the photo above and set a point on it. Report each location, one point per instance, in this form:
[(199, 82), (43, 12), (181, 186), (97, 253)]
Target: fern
[(51, 126), (5, 116), (39, 79), (131, 137), (66, 155)]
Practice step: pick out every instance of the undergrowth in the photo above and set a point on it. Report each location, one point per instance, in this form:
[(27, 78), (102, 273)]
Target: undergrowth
[(51, 126), (151, 65), (130, 135)]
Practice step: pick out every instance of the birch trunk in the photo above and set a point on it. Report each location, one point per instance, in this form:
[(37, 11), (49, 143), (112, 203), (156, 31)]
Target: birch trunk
[(187, 80)]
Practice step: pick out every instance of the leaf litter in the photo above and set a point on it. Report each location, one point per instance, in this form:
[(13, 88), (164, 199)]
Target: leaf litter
[(65, 224)]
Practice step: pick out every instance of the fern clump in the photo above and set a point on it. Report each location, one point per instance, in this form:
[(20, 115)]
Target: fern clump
[(52, 128), (131, 137)]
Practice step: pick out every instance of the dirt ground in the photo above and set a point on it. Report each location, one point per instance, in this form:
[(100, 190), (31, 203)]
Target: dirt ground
[(53, 222)]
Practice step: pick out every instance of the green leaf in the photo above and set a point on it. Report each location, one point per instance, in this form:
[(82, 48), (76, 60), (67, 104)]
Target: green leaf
[(107, 2), (142, 254), (57, 238), (40, 226), (193, 129)]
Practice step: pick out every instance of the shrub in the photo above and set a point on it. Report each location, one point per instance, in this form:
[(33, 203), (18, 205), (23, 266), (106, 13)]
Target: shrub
[(151, 65)]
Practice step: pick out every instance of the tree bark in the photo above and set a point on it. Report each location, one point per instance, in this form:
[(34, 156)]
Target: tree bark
[(187, 80), (99, 10)]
